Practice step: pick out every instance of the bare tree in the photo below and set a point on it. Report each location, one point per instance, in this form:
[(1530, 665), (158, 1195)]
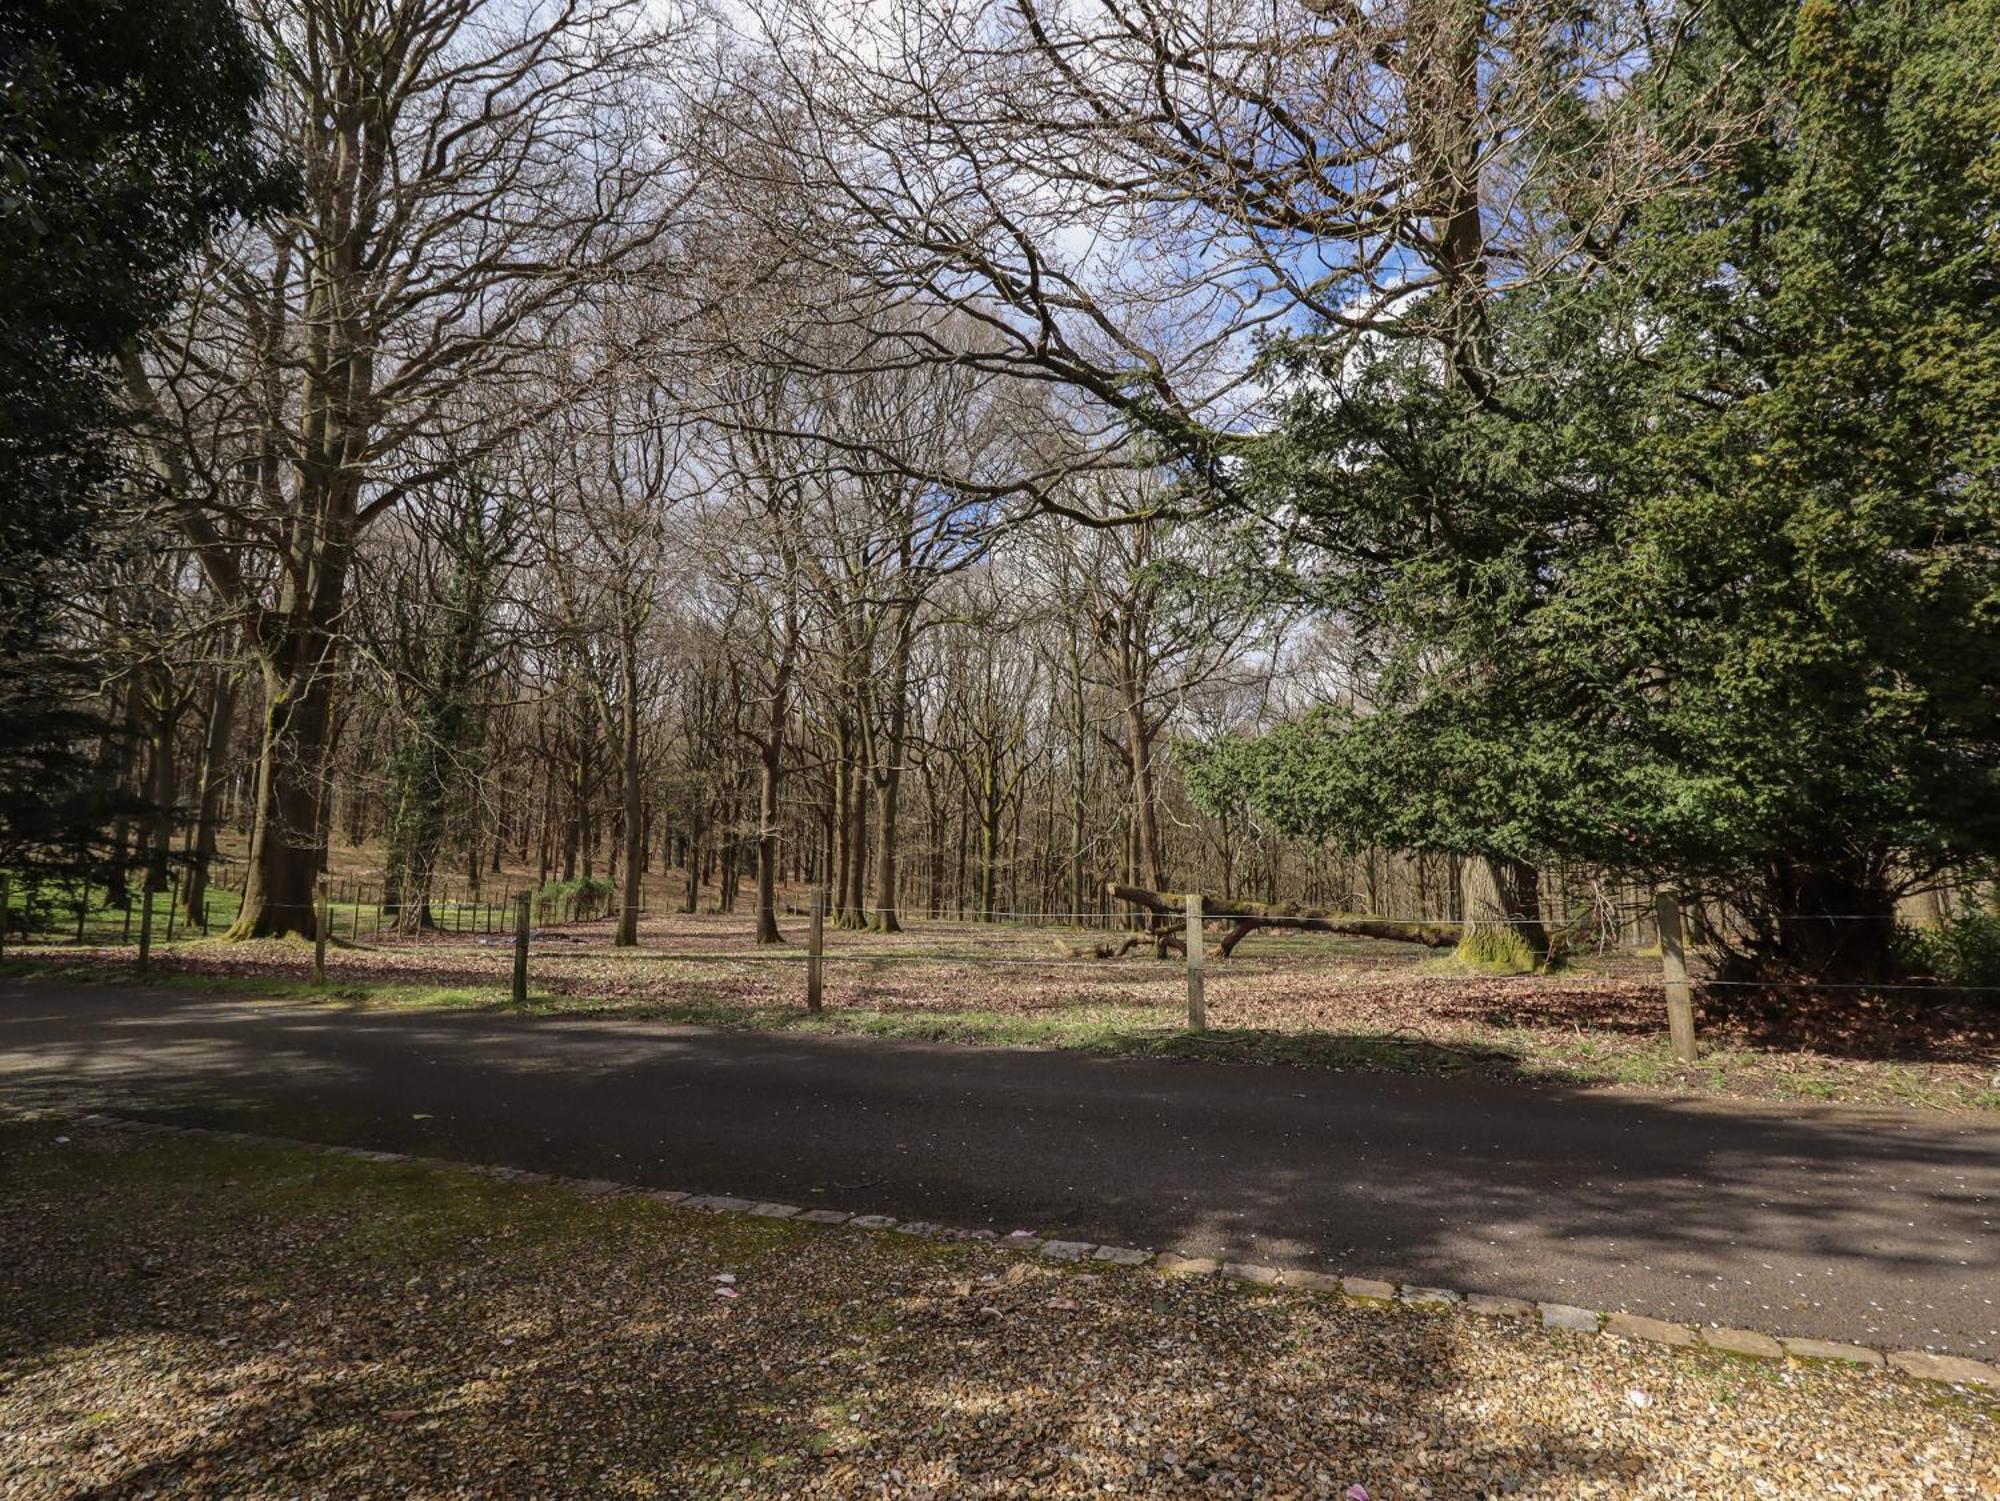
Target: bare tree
[(470, 172), (613, 459)]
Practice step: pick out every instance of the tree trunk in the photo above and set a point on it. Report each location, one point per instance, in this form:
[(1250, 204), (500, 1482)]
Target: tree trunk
[(632, 810), (162, 791), (1519, 884), (769, 769), (290, 795), (1248, 917), (214, 746), (1145, 799), (989, 847), (838, 825), (854, 900), (887, 792), (1818, 918), (691, 897), (115, 748)]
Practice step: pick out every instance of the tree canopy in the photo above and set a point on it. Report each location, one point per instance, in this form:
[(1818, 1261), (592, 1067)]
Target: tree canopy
[(1706, 585), (124, 141)]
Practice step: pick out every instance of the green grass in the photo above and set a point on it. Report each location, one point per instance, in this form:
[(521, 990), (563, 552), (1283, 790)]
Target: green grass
[(55, 917), (1579, 1060), (276, 988), (108, 926)]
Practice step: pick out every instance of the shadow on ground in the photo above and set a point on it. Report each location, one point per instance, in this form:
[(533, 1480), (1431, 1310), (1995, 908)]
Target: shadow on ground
[(1862, 1224), (185, 1319)]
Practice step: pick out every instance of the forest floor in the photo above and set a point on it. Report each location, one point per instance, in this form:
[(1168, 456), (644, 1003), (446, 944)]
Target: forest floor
[(192, 1316), (1296, 998)]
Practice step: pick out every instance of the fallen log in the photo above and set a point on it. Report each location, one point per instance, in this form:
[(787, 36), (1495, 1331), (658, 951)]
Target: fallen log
[(1101, 948), (1246, 918)]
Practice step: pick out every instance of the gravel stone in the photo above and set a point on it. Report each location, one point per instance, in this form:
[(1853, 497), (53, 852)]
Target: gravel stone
[(1251, 1271), (825, 1217), (1368, 1289), (1122, 1255), (1832, 1351), (1312, 1282), (1954, 1368), (718, 1204), (1745, 1342), (1638, 1326), (1566, 1316), (1068, 1250), (776, 1211), (1431, 1297)]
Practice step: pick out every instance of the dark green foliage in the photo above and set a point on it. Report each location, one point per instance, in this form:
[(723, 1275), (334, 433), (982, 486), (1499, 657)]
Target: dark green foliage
[(566, 901), (54, 797), (1708, 587), (1963, 950), (124, 139)]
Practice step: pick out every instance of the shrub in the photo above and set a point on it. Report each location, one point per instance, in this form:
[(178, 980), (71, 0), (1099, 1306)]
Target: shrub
[(586, 896), (1962, 950)]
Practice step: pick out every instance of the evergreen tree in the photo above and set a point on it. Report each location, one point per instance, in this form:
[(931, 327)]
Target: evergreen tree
[(1707, 586), (124, 139)]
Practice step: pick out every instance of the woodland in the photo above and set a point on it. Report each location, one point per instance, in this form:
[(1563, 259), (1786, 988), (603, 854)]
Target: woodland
[(1458, 462)]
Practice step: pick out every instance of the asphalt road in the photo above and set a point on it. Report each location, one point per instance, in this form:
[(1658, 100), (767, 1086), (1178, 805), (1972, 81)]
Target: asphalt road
[(1875, 1226)]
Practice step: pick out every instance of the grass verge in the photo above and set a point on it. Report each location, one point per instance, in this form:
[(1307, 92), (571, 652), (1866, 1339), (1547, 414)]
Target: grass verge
[(1513, 1052)]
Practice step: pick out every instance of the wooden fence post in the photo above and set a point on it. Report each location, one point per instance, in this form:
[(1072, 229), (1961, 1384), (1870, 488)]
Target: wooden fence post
[(319, 937), (816, 952), (521, 949), (1197, 1001), (145, 928), (173, 904), (1673, 968), (6, 910)]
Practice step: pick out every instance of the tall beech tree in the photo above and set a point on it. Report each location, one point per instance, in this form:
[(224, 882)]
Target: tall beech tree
[(471, 172)]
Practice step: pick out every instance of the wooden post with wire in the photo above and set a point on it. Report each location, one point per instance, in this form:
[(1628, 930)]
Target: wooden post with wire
[(1197, 1001), (319, 936), (1673, 969), (521, 949), (816, 953), (145, 926)]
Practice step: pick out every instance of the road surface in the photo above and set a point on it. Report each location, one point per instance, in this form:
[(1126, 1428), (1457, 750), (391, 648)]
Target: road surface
[(1874, 1226)]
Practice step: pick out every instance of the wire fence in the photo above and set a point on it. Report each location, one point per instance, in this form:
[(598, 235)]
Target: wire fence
[(852, 938)]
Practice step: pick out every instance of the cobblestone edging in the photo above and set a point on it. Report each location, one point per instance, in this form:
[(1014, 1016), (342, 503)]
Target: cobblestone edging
[(1922, 1365)]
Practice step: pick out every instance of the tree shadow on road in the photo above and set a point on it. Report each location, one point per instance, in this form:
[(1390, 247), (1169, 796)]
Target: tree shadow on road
[(1856, 1224)]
